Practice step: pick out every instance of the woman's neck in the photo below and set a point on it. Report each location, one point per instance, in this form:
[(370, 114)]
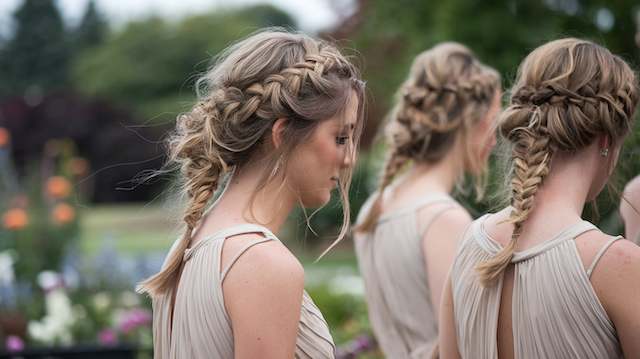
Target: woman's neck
[(562, 197), (441, 176), (269, 206)]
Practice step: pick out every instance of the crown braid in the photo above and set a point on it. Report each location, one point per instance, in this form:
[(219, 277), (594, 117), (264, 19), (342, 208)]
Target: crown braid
[(270, 75), (568, 93), (448, 90)]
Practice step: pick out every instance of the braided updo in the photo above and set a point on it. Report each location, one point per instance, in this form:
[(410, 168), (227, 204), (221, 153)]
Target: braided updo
[(567, 94), (270, 75), (447, 93)]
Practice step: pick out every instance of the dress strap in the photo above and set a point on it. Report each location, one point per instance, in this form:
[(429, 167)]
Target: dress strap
[(600, 254), (425, 227), (244, 229), (493, 247), (571, 232), (237, 256), (228, 232), (416, 205)]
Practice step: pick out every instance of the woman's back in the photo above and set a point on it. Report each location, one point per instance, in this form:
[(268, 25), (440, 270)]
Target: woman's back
[(392, 263), (543, 307), (199, 326), (539, 281), (441, 129)]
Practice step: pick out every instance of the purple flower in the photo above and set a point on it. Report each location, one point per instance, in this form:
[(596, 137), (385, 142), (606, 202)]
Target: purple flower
[(14, 344), (355, 347), (133, 319), (107, 337), (362, 344)]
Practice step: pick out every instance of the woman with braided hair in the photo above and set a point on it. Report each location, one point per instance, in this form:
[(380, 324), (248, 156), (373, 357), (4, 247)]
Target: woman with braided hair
[(535, 280), (630, 210), (443, 126), (278, 125)]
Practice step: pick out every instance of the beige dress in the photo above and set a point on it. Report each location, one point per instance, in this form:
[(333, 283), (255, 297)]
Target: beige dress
[(392, 265), (555, 313), (201, 327)]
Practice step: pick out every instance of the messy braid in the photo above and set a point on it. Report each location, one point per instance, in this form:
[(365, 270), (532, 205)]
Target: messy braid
[(568, 93), (448, 91), (270, 75)]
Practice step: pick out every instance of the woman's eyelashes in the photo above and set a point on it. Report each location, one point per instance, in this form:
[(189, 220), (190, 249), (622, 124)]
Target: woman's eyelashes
[(342, 140)]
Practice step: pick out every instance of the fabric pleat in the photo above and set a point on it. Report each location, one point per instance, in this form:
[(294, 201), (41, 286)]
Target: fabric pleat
[(392, 264), (555, 311), (201, 327)]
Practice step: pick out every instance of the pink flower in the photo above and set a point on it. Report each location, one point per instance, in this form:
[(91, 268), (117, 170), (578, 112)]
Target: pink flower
[(14, 344), (107, 337), (135, 318)]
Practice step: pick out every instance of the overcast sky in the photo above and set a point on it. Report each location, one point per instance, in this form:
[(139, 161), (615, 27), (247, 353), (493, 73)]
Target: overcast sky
[(311, 15)]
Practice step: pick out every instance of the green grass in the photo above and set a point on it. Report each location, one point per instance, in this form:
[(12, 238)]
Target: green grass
[(132, 228), (135, 229)]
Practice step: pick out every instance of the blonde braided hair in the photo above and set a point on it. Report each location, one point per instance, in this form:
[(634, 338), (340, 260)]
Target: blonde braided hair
[(568, 92), (447, 93), (270, 75)]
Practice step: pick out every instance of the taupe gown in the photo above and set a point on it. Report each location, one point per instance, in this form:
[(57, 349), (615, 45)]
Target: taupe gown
[(201, 327), (555, 313), (392, 265)]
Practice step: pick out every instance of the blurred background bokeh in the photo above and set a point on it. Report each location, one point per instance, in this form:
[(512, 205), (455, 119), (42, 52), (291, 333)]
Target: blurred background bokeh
[(89, 90)]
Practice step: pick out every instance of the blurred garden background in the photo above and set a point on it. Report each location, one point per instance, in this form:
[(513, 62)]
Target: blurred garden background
[(89, 89)]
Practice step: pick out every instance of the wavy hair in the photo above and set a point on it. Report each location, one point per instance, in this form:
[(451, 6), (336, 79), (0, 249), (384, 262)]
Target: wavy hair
[(447, 93), (567, 93), (270, 75)]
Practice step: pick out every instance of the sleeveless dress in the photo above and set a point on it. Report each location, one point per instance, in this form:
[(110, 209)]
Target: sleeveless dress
[(392, 264), (555, 313), (201, 327)]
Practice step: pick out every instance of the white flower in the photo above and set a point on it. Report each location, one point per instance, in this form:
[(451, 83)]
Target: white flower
[(59, 306), (6, 268), (101, 301), (55, 326), (48, 279)]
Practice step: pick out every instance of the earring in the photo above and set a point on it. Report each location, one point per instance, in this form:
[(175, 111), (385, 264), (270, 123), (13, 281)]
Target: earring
[(604, 152), (276, 168)]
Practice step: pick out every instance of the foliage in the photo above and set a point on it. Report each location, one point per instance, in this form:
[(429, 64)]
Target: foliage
[(40, 222), (152, 60), (110, 138), (501, 32), (92, 29), (346, 315), (36, 59)]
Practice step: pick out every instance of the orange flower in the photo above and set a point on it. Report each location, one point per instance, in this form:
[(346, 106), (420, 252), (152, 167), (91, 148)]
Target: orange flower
[(4, 137), (63, 213), (58, 187), (78, 166), (15, 219)]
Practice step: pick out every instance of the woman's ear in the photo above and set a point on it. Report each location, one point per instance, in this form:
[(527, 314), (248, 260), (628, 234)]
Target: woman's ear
[(277, 132), (604, 142)]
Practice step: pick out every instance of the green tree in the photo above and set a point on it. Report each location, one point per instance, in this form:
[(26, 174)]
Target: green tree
[(501, 33), (151, 65), (37, 55), (92, 28)]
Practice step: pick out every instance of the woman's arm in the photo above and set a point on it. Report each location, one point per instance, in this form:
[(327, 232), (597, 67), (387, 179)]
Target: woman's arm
[(439, 245), (263, 296), (616, 279), (630, 215), (447, 340)]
